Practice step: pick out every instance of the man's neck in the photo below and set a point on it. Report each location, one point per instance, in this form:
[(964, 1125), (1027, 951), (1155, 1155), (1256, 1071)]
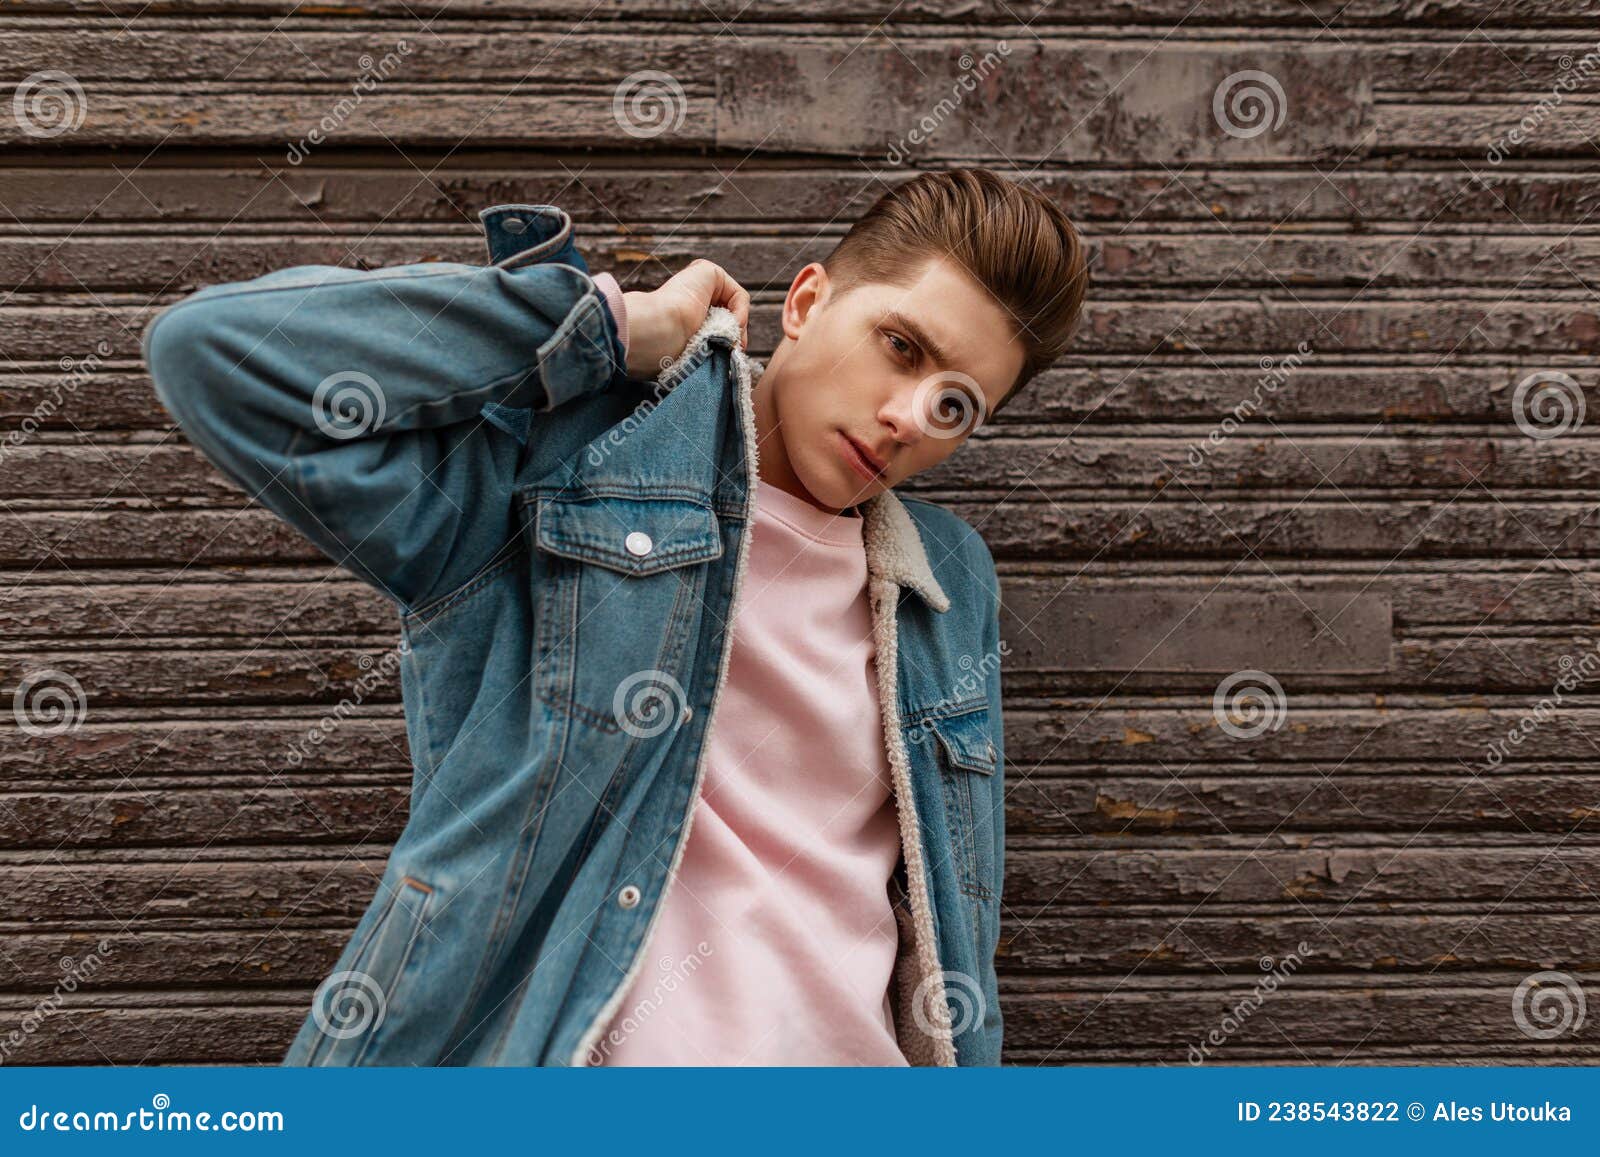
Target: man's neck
[(775, 469)]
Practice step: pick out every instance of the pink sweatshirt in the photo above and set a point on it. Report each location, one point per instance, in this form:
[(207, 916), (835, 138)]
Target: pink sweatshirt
[(776, 940)]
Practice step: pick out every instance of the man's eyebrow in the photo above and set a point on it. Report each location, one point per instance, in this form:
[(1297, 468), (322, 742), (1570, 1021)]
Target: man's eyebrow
[(933, 349)]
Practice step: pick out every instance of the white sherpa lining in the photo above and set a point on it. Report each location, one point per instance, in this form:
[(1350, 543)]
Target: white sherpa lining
[(895, 557)]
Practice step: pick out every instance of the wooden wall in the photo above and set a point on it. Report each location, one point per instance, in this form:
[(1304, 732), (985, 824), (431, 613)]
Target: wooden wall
[(1383, 537)]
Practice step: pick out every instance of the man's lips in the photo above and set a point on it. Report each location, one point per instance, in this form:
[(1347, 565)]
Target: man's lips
[(865, 463)]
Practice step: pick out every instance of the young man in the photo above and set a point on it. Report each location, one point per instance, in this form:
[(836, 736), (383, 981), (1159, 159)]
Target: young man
[(592, 568)]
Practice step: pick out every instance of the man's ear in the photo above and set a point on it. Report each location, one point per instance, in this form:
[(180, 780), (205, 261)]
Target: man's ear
[(807, 291)]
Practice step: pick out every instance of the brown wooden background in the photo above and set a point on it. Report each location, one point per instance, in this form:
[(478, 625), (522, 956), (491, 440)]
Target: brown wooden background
[(1153, 860)]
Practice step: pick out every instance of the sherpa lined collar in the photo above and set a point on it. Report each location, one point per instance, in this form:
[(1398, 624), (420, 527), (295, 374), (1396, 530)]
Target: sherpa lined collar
[(894, 547)]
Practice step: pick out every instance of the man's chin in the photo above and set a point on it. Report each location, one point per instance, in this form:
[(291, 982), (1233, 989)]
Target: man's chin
[(838, 494)]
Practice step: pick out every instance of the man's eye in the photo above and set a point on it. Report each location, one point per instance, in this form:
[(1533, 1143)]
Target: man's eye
[(902, 347)]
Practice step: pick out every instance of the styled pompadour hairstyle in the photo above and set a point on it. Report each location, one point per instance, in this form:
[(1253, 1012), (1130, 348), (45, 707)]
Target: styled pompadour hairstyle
[(1012, 240)]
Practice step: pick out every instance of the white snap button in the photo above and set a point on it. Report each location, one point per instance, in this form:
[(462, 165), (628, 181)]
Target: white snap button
[(513, 224), (688, 714), (629, 897), (990, 750), (639, 543)]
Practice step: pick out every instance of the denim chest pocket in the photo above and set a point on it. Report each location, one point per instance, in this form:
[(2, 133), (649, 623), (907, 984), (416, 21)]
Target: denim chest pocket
[(967, 760), (618, 585)]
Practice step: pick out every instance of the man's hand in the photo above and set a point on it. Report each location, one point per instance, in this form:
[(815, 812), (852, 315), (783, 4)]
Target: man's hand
[(660, 323)]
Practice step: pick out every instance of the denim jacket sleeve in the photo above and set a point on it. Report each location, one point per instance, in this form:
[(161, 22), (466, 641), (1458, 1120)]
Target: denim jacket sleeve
[(351, 402)]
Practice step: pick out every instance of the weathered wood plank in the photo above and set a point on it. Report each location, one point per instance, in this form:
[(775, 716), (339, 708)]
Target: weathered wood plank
[(324, 603), (257, 602), (1382, 323), (1187, 467), (642, 258), (1092, 871), (1463, 527), (1080, 389), (1113, 101), (321, 192), (1317, 14), (1320, 733), (108, 750), (1103, 873), (1049, 1027), (283, 955), (123, 890), (259, 808), (1211, 800), (160, 48), (1437, 944), (265, 812), (1301, 1011), (1158, 655), (269, 672)]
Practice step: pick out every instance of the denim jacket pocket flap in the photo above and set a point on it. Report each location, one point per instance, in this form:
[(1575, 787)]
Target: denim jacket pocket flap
[(966, 739), (634, 535)]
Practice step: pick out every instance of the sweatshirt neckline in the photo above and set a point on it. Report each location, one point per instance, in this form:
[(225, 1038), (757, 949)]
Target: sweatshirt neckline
[(812, 521)]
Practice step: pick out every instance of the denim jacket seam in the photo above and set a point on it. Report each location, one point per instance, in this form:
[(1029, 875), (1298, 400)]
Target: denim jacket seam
[(946, 709), (425, 760), (442, 606), (569, 328), (246, 289), (348, 558), (532, 491)]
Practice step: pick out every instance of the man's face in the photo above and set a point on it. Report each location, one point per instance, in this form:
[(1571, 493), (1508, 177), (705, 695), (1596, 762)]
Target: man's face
[(903, 372)]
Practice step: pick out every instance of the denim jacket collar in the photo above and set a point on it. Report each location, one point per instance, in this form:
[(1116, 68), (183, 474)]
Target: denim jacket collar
[(895, 551)]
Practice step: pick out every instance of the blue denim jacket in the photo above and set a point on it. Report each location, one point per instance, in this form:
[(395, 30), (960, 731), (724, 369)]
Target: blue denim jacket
[(565, 546)]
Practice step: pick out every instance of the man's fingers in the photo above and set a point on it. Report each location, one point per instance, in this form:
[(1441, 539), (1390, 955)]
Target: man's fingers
[(732, 296)]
